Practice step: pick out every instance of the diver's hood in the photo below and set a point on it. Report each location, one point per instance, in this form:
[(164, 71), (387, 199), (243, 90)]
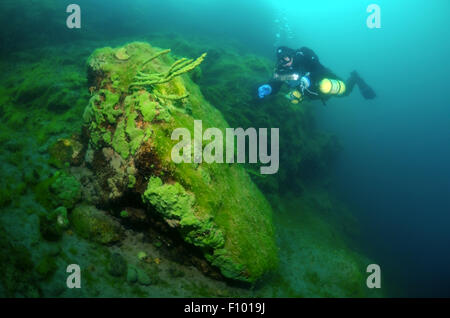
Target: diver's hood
[(284, 51)]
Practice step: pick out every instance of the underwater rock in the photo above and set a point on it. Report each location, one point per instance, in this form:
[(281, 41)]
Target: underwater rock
[(136, 105), (46, 267), (131, 275), (117, 265), (95, 225), (66, 189), (59, 190), (53, 224), (143, 278), (66, 150)]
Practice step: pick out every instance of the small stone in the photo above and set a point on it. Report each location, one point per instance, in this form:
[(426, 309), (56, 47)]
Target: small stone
[(143, 278), (131, 275), (117, 266)]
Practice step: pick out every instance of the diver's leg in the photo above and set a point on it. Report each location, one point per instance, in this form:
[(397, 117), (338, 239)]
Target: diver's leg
[(350, 83), (366, 91)]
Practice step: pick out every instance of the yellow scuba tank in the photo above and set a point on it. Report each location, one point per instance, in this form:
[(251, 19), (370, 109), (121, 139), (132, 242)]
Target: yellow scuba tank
[(332, 87), (295, 97)]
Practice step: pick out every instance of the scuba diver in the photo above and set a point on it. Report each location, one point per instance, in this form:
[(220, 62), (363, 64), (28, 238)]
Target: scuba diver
[(308, 78)]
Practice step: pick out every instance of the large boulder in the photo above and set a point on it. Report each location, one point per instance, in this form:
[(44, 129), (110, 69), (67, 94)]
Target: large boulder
[(140, 95)]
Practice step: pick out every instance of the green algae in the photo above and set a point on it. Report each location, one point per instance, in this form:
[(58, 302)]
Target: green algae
[(44, 99), (126, 138), (102, 109), (174, 203), (120, 142), (66, 190), (178, 68), (61, 189), (134, 134), (131, 181), (145, 106)]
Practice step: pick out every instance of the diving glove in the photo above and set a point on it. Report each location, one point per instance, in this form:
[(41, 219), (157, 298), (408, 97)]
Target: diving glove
[(264, 90)]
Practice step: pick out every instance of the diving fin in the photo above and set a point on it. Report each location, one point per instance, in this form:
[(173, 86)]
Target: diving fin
[(366, 91)]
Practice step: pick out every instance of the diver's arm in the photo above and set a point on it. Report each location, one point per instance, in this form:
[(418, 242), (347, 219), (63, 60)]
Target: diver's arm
[(270, 88), (276, 85)]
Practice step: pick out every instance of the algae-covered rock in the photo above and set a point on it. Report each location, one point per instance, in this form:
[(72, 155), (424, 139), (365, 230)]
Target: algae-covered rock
[(136, 105), (53, 224), (95, 225), (67, 190), (117, 265), (66, 150), (142, 277), (46, 267), (131, 275), (62, 189)]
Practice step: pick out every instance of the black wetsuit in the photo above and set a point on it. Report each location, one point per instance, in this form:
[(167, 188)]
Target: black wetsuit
[(306, 61)]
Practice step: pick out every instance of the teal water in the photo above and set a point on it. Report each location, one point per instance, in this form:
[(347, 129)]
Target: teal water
[(394, 166), (393, 169)]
